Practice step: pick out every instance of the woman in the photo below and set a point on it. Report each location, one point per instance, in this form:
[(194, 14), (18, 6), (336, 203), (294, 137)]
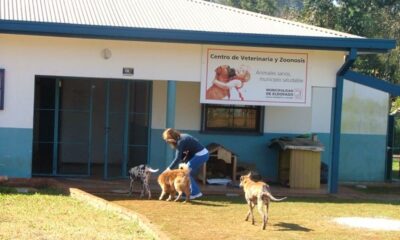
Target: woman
[(195, 155)]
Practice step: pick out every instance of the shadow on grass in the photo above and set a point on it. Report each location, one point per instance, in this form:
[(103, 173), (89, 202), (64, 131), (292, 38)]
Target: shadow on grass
[(328, 199), (221, 201), (292, 227), (205, 203)]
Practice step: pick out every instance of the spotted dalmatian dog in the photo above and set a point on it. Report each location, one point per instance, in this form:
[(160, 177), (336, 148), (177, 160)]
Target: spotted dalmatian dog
[(141, 173)]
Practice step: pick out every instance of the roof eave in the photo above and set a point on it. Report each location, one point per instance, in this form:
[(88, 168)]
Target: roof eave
[(196, 37)]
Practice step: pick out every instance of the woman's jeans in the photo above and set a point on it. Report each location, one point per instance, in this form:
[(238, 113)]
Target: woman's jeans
[(194, 165)]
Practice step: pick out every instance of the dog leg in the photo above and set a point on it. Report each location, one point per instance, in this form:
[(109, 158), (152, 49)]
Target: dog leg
[(171, 195), (162, 195), (179, 196), (142, 192), (263, 206), (187, 193), (260, 206), (130, 187), (147, 188), (147, 180), (250, 213), (149, 192), (266, 213)]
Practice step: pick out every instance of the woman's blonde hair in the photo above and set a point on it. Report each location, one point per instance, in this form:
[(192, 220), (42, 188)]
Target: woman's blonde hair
[(171, 136)]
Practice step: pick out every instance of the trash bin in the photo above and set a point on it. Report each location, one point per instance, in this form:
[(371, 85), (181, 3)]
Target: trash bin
[(299, 162)]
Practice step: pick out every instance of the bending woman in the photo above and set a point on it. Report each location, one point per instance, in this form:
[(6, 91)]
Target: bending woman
[(194, 151)]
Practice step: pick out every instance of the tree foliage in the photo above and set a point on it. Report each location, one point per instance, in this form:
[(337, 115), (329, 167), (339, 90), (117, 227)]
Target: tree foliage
[(268, 7), (321, 13), (367, 18)]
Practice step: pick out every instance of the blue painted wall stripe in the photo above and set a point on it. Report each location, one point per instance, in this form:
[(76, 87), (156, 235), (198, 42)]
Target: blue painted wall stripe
[(16, 152), (362, 157), (252, 150)]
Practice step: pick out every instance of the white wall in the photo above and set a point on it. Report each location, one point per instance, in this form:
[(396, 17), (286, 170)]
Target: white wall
[(365, 110), (300, 120), (288, 120), (277, 119), (188, 107), (159, 104), (321, 110), (323, 66), (24, 56)]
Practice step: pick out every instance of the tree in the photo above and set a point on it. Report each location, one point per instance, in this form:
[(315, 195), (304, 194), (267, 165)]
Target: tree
[(321, 13), (373, 19), (367, 18), (267, 7)]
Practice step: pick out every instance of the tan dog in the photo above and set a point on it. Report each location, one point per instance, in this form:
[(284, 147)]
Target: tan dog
[(176, 180), (257, 193), (222, 73)]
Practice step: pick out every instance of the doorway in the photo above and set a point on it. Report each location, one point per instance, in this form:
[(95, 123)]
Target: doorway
[(90, 127)]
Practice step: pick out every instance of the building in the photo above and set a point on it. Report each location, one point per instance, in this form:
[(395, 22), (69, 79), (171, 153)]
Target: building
[(89, 86)]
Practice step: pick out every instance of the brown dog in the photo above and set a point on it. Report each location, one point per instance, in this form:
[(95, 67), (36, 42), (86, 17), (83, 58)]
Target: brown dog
[(257, 193), (176, 180), (222, 73)]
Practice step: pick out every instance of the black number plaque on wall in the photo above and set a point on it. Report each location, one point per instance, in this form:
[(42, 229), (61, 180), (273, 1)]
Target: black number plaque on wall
[(1, 89)]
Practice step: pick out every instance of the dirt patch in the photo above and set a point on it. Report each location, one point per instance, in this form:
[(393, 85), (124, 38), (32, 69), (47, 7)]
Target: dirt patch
[(378, 224)]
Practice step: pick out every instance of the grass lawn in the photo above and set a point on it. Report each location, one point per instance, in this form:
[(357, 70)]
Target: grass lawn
[(51, 215), (215, 217)]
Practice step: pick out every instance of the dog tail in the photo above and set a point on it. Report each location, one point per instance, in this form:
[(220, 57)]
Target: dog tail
[(269, 195), (152, 170)]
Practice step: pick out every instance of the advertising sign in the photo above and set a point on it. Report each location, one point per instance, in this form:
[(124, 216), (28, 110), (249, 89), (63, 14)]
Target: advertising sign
[(255, 78)]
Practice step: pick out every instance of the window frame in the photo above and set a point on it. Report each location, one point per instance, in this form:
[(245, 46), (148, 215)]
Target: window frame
[(259, 129)]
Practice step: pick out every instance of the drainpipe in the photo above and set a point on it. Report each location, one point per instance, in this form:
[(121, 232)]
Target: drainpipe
[(337, 121), (170, 118)]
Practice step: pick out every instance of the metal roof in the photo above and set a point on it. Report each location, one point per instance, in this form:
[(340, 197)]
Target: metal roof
[(171, 20), (193, 15)]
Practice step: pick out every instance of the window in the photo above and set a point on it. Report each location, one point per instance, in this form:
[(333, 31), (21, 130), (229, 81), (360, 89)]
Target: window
[(1, 89), (232, 118)]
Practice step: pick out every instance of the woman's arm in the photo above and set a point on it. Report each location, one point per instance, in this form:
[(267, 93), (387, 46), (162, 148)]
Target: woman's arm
[(178, 156), (228, 85)]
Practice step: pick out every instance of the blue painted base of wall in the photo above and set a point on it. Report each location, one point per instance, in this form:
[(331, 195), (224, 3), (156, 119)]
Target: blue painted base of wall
[(16, 152), (362, 158), (251, 150)]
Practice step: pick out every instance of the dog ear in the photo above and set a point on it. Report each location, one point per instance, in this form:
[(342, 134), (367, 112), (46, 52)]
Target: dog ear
[(249, 175), (218, 70)]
